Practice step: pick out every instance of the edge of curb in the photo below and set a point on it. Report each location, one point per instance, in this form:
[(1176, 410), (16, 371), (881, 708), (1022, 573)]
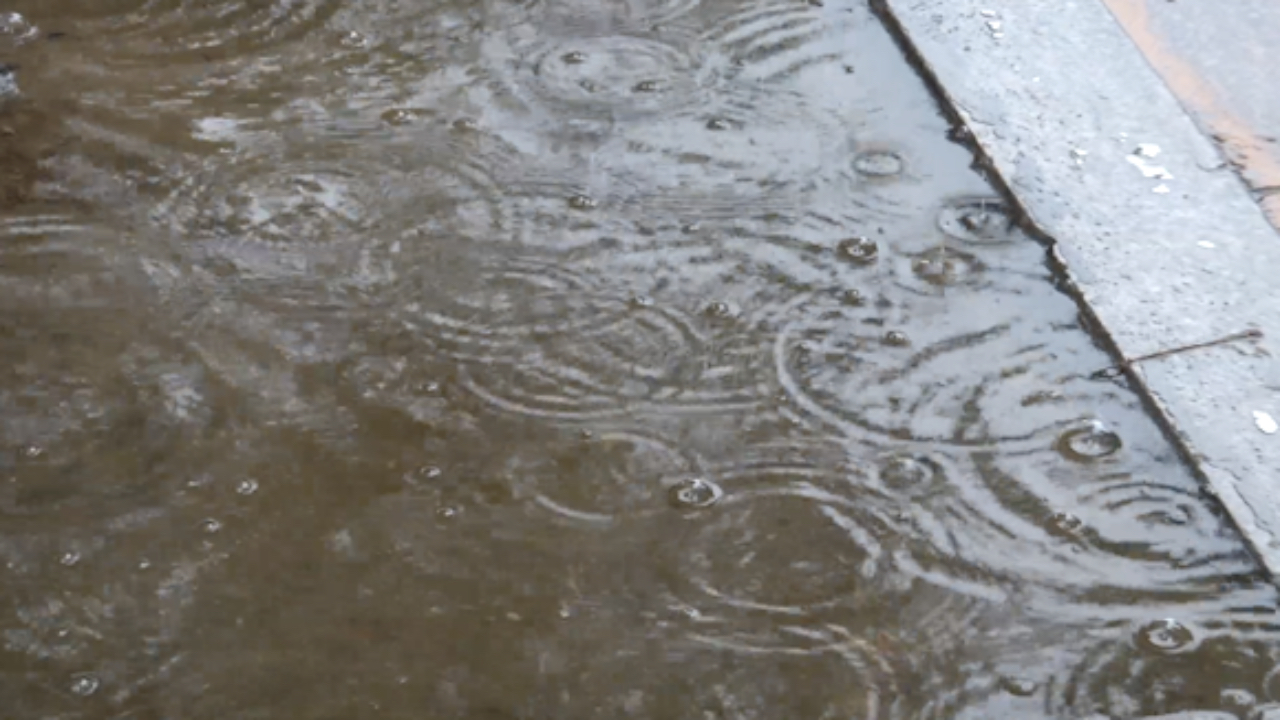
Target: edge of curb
[(1137, 297)]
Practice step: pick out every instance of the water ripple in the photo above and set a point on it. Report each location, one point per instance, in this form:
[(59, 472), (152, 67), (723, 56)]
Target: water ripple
[(579, 15), (770, 40), (601, 477), (147, 32), (597, 75), (542, 338), (270, 218), (932, 387), (737, 154)]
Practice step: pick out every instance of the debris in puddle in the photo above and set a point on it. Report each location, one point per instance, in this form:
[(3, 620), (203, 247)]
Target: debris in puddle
[(1149, 170), (1117, 370), (1265, 422)]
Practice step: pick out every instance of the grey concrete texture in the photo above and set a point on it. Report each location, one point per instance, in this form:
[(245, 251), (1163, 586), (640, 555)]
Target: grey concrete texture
[(1235, 46), (1219, 59), (1162, 241)]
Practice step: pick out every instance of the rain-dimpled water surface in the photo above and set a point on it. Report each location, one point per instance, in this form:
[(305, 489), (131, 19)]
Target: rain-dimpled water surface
[(528, 359)]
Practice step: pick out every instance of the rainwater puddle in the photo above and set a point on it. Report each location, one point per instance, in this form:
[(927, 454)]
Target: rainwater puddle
[(552, 358)]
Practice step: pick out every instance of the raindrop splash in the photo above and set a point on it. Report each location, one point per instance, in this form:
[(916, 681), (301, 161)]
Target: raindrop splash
[(694, 494), (878, 164), (976, 220), (85, 684), (1090, 442), (896, 338), (907, 473), (1164, 637), (858, 250)]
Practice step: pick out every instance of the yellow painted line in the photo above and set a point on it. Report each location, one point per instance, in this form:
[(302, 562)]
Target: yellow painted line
[(1258, 160)]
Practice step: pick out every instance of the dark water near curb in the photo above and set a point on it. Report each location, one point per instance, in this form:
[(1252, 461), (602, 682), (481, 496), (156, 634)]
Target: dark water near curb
[(647, 358)]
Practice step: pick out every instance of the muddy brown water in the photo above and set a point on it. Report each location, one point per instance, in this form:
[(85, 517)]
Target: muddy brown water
[(646, 358)]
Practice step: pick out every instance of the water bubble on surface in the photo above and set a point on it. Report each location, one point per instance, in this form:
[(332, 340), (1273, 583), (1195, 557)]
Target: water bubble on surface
[(858, 250), (247, 486), (976, 220), (878, 164), (1237, 700), (852, 297), (16, 28), (85, 684), (896, 338), (466, 124), (425, 474), (1089, 442), (402, 116), (719, 310), (1164, 637), (1019, 686), (694, 494), (943, 266), (353, 40), (1065, 524), (582, 202), (910, 472)]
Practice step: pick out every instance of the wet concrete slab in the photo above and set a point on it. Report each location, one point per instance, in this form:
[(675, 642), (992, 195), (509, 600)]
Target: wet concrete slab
[(1219, 65), (1163, 242)]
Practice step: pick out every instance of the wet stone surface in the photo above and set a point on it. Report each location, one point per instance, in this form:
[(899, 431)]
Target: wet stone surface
[(560, 359)]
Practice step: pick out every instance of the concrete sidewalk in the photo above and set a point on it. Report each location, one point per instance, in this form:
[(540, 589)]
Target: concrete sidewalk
[(1217, 58), (1161, 239)]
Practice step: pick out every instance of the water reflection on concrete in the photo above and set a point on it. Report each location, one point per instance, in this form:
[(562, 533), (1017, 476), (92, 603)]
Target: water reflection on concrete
[(530, 359)]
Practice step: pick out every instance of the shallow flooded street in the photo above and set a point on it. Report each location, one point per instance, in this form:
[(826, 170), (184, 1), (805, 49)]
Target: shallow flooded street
[(519, 360)]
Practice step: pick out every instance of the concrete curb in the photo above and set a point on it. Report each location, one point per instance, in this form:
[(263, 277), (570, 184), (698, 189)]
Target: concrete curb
[(1160, 239)]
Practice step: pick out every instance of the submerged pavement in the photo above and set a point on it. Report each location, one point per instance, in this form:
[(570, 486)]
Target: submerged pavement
[(1164, 243)]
